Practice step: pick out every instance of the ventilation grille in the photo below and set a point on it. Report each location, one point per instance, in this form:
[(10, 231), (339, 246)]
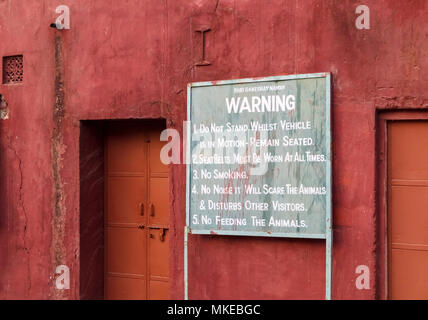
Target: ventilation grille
[(13, 69)]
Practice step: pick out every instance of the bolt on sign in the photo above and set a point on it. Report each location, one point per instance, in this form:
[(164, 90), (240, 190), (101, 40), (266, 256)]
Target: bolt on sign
[(260, 157)]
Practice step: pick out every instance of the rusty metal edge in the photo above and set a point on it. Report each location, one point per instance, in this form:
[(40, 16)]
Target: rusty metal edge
[(258, 234), (259, 79)]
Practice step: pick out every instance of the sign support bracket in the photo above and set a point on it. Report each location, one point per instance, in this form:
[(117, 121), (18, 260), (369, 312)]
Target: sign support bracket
[(186, 266), (329, 216), (328, 266)]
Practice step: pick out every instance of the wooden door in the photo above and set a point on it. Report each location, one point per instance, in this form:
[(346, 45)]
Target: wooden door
[(136, 213), (408, 209)]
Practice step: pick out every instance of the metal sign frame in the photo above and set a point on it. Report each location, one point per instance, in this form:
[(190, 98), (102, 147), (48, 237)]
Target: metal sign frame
[(328, 236)]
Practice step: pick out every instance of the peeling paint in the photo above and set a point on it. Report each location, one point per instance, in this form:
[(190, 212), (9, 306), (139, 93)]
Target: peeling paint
[(58, 249)]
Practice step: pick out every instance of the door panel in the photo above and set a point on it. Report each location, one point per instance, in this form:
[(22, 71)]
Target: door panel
[(159, 214), (408, 213), (136, 213), (159, 290), (126, 154), (413, 264), (407, 210), (158, 221), (125, 288), (126, 250), (125, 199), (155, 146), (158, 270), (408, 150), (158, 250)]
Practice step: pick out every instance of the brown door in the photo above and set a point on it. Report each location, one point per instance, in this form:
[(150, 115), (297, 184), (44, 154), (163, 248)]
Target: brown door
[(136, 213), (408, 210)]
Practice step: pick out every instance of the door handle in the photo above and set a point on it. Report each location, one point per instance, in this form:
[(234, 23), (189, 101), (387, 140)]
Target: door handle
[(142, 208), (152, 209), (162, 234)]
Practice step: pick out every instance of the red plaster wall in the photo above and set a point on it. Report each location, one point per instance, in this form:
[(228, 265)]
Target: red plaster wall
[(133, 59)]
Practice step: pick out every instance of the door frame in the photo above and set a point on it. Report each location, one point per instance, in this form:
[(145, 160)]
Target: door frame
[(383, 117), (92, 137)]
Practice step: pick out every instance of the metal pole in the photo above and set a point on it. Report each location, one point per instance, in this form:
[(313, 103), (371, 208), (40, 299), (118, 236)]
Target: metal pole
[(186, 289), (328, 264), (329, 215)]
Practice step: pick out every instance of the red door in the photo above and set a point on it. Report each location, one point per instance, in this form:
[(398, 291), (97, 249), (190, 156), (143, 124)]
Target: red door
[(408, 209), (136, 213)]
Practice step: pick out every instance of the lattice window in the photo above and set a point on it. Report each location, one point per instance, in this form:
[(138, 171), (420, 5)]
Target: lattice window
[(13, 69)]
